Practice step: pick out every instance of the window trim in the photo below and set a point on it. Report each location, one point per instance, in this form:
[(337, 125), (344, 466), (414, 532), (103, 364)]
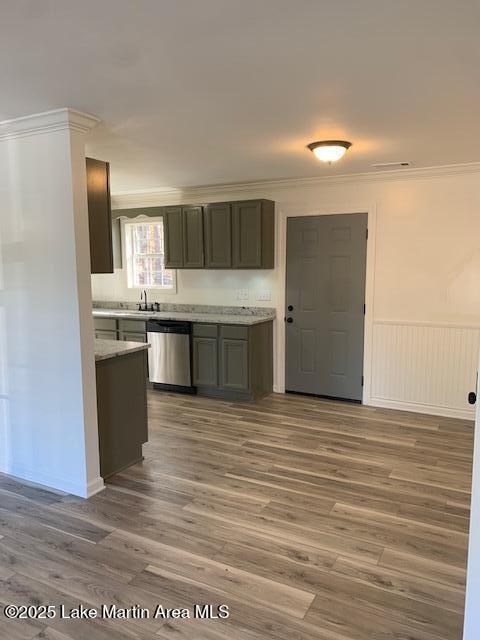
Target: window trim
[(125, 223)]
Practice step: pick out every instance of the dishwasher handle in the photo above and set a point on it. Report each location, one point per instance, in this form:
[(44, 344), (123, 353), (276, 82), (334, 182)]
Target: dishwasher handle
[(168, 326)]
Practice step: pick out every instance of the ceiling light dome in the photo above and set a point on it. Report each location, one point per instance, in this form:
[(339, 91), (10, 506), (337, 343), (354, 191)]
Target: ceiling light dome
[(329, 150)]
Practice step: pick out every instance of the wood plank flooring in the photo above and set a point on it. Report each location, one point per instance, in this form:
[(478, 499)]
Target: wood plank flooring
[(310, 519)]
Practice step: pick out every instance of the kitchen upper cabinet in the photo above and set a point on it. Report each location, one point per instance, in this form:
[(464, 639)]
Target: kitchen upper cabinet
[(253, 234), (217, 235), (99, 216), (225, 235), (192, 220), (173, 230)]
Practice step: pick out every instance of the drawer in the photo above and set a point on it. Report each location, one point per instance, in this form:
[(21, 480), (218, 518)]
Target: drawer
[(105, 335), (234, 332), (134, 326), (205, 330), (105, 324), (131, 336)]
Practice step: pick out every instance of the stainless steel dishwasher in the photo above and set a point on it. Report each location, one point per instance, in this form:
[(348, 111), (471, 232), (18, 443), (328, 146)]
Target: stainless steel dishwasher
[(169, 356)]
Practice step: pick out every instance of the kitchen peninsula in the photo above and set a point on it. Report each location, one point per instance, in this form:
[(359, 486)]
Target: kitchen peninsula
[(121, 371)]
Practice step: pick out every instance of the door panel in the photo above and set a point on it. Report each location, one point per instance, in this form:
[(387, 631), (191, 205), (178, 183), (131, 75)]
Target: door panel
[(247, 234), (173, 222), (234, 364), (326, 262), (217, 227), (192, 237), (205, 362)]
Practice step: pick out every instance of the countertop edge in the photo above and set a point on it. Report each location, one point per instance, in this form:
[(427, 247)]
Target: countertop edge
[(118, 349), (244, 320)]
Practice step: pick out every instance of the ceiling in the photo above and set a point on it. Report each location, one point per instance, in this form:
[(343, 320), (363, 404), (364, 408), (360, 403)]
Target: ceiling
[(197, 92)]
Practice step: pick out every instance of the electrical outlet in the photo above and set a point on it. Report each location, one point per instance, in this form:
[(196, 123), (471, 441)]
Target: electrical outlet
[(264, 295), (242, 294)]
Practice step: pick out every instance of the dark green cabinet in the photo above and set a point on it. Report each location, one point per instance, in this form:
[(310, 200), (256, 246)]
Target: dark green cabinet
[(233, 361), (122, 411), (192, 219), (225, 235), (253, 234), (131, 336), (99, 216), (183, 228), (120, 329), (205, 362), (101, 334), (217, 235), (173, 233), (234, 364)]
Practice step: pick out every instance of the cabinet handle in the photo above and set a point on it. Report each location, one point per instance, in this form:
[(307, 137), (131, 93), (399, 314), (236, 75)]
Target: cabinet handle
[(472, 397)]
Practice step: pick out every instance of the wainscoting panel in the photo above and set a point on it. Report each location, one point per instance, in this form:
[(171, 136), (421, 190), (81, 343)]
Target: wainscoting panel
[(424, 367)]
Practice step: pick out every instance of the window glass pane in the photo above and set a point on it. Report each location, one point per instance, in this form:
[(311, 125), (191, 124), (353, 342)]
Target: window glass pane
[(147, 238), (147, 262)]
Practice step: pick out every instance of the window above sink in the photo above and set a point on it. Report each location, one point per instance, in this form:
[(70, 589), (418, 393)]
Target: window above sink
[(145, 256)]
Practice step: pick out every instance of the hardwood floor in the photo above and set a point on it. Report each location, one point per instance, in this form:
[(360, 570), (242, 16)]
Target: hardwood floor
[(310, 519)]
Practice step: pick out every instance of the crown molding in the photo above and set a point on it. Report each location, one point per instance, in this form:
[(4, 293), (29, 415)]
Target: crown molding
[(55, 120), (152, 197)]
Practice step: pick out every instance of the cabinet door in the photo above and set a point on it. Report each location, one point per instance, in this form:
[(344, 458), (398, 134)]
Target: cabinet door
[(234, 364), (247, 235), (99, 216), (205, 362), (217, 234), (192, 237), (173, 231)]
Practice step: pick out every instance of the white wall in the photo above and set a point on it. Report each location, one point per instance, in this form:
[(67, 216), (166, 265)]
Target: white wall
[(422, 275), (194, 286), (48, 416)]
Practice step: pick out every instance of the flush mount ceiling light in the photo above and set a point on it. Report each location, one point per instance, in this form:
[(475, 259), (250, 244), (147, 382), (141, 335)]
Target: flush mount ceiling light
[(329, 150)]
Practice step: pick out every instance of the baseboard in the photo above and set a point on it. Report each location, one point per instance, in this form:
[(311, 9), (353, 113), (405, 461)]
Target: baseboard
[(95, 486), (58, 484), (446, 412)]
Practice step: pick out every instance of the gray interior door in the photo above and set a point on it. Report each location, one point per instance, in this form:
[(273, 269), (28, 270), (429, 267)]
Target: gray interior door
[(326, 262)]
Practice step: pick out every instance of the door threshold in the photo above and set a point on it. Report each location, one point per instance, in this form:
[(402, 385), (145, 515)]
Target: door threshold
[(322, 397)]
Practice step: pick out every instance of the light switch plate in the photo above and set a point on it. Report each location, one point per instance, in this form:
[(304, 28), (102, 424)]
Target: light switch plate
[(242, 294), (264, 295)]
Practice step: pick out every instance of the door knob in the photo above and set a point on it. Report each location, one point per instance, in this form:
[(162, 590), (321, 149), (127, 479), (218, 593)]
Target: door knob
[(289, 320), (472, 397), (290, 308)]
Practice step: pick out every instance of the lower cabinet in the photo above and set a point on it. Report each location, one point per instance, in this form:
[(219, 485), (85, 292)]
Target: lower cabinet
[(121, 329), (232, 361), (131, 336), (102, 334), (234, 364), (205, 362)]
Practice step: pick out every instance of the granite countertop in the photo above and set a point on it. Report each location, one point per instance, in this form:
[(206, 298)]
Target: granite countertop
[(190, 316), (105, 349)]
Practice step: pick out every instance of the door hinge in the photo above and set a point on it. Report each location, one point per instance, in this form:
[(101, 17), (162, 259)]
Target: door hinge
[(362, 381), (366, 234)]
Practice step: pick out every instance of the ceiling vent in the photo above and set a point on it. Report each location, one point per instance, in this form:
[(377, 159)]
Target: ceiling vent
[(392, 165)]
